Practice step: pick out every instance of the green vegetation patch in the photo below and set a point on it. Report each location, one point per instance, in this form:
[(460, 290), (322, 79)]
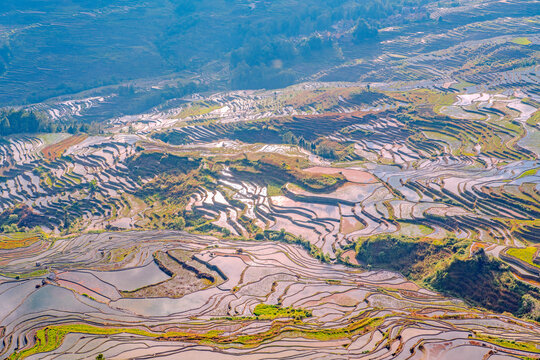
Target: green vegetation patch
[(21, 217), (363, 325), (413, 230), (445, 266), (526, 254), (534, 119), (197, 109), (412, 257), (487, 282), (274, 188), (529, 172), (512, 344), (28, 275), (521, 41), (264, 311), (51, 337), (462, 85), (19, 239)]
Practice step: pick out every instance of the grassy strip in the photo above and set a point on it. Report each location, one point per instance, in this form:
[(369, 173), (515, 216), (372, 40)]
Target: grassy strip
[(526, 254), (35, 273), (264, 311), (534, 119), (280, 328), (521, 41), (511, 344), (274, 188), (51, 337), (529, 172), (271, 312)]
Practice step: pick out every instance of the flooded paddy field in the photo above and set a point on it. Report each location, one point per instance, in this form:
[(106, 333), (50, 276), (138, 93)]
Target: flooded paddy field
[(386, 208), (366, 170), (351, 312)]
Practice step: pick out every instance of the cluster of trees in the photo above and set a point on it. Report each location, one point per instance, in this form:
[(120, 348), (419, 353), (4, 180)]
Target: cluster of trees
[(19, 218), (446, 267), (323, 149), (268, 41), (26, 121), (23, 121), (10, 224), (263, 44), (364, 31), (269, 62), (131, 101)]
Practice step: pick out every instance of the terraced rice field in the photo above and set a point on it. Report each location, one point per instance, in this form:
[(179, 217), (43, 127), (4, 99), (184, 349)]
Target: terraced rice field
[(230, 225), (48, 187), (471, 177), (51, 152), (78, 309), (18, 240), (161, 293)]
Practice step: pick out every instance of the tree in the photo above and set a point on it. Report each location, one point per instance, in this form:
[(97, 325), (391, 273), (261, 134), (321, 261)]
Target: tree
[(4, 125), (13, 218), (92, 186), (22, 121), (363, 31), (179, 223), (289, 138)]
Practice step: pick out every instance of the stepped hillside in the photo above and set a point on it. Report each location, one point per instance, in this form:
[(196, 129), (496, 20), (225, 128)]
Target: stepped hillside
[(363, 184), (124, 69)]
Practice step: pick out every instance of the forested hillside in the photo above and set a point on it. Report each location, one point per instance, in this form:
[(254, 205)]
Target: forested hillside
[(62, 47), (15, 122)]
